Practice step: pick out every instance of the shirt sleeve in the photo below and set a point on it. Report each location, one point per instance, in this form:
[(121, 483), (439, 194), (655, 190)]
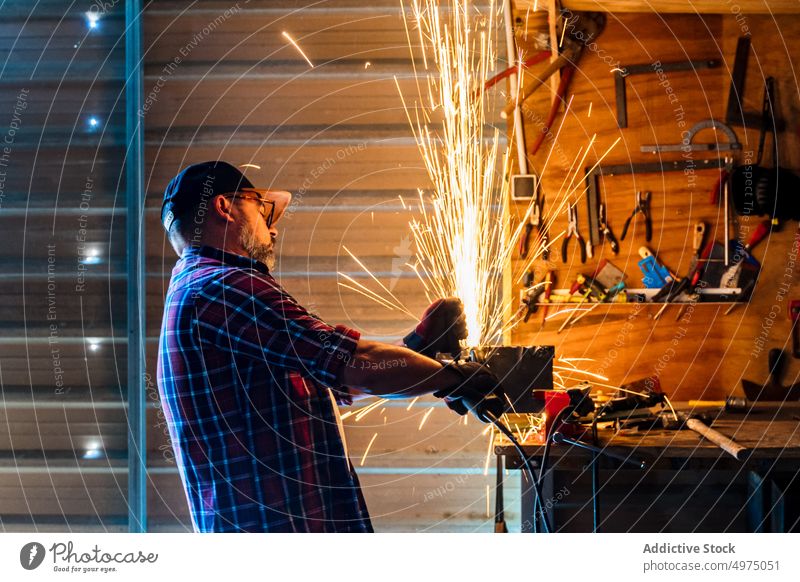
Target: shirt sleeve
[(249, 314)]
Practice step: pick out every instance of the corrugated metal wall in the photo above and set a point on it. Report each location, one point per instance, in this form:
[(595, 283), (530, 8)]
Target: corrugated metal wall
[(62, 199), (221, 81)]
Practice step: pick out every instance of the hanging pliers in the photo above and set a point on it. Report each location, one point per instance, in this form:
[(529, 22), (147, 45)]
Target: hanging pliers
[(541, 229), (572, 230), (643, 207), (531, 294), (605, 230), (535, 223)]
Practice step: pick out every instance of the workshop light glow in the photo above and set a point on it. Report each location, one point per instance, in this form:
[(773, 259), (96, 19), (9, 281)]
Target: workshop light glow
[(462, 239), (93, 450), (92, 19), (92, 256)]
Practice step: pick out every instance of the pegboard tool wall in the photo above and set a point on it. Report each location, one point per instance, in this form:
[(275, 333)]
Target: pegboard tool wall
[(706, 353)]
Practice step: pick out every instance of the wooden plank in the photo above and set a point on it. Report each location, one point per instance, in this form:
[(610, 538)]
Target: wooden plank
[(430, 501), (443, 439), (324, 35), (352, 95), (379, 166), (764, 439), (96, 305), (67, 104), (83, 494), (318, 233)]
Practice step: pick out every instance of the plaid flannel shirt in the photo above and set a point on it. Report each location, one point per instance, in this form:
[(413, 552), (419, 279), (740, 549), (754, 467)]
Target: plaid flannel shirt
[(242, 373)]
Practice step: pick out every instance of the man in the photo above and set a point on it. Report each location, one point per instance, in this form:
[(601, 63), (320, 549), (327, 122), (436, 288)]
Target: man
[(248, 377)]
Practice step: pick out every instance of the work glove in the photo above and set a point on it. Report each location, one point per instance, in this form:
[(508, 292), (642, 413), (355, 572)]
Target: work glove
[(478, 391), (442, 327)]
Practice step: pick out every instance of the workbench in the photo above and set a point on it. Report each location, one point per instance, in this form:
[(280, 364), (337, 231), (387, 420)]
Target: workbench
[(748, 495)]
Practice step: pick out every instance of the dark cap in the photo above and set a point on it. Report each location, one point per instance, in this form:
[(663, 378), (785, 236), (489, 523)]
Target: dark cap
[(197, 183)]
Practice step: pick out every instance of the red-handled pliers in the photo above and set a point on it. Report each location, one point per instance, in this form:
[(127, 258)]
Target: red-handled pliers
[(572, 230)]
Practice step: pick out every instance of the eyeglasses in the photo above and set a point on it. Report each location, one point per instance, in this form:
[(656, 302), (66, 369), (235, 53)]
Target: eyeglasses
[(266, 207)]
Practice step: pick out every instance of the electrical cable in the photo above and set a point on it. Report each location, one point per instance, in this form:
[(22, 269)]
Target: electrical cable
[(526, 462), (596, 469), (557, 421), (595, 478)]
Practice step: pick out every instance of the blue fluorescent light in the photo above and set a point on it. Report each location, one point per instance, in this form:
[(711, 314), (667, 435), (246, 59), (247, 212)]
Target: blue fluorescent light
[(92, 18), (94, 450), (91, 256)]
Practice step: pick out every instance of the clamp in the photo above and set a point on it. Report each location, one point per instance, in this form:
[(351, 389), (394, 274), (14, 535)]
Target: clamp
[(605, 230), (655, 275), (536, 221), (531, 293)]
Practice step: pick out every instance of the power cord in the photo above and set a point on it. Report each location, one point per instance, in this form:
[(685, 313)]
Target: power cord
[(488, 415)]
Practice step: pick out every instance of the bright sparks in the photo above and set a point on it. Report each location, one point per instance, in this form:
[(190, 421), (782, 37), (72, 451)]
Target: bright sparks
[(369, 446), (424, 418), (463, 242), (489, 450), (297, 46), (460, 239), (367, 409)]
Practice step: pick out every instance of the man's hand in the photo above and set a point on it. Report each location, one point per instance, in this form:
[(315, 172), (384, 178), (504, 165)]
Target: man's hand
[(442, 327), (379, 369), (478, 391)]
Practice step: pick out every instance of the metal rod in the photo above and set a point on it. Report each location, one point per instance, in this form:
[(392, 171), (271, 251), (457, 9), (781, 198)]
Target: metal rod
[(595, 492), (561, 439), (499, 505), (519, 128), (595, 482), (726, 202), (569, 317), (660, 311), (134, 181), (585, 313)]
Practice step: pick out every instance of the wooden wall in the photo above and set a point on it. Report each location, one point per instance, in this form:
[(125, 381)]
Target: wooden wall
[(707, 354)]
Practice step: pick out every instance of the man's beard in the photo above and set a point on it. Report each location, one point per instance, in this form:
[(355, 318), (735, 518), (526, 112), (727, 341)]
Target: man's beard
[(256, 249)]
